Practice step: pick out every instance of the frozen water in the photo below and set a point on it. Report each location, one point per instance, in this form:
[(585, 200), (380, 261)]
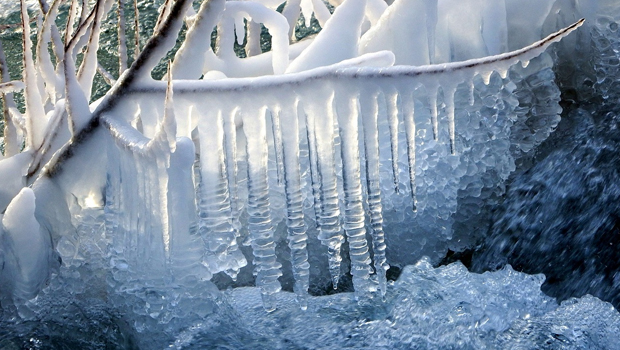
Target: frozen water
[(289, 169)]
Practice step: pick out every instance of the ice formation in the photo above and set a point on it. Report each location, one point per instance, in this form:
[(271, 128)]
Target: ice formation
[(311, 158)]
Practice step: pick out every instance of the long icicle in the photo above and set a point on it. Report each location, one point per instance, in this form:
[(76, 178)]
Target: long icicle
[(410, 130), (315, 174), (297, 235), (354, 216), (330, 233), (391, 100), (216, 216), (266, 266), (370, 114)]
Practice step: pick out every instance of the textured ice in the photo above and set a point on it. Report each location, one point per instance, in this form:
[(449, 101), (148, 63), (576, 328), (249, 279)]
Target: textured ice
[(425, 308), (434, 308), (291, 169)]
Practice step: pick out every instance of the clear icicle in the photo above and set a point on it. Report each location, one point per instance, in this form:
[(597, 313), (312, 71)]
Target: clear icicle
[(266, 267), (321, 121), (215, 213), (230, 146), (433, 92), (370, 114), (297, 236), (392, 114), (315, 176), (276, 129), (354, 217), (449, 92), (408, 106)]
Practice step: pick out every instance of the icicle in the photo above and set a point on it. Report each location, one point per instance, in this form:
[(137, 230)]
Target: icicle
[(486, 76), (392, 114), (370, 113), (433, 91), (267, 268), (35, 115), (525, 63), (503, 72), (277, 143), (215, 212), (230, 145), (410, 131), (354, 217), (169, 125), (321, 120), (472, 90), (315, 176), (448, 94), (297, 236)]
